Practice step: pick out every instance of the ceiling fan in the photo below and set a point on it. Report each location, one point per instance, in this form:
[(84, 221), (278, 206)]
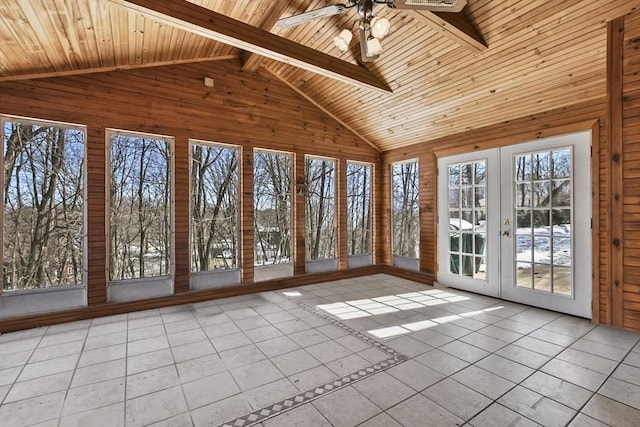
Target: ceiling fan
[(371, 29)]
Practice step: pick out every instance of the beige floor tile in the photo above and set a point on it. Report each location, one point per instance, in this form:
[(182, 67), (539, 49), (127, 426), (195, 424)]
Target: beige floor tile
[(420, 411), (209, 389), (24, 413), (537, 407), (39, 386), (497, 415), (93, 396), (302, 416), (255, 374), (505, 368), (586, 378), (483, 382), (415, 375), (557, 389), (108, 416), (346, 407), (220, 412), (622, 391), (383, 390), (154, 407), (611, 412), (147, 361), (268, 394), (151, 381)]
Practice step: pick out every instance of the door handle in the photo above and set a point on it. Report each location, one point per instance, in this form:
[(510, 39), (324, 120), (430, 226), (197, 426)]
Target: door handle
[(505, 234)]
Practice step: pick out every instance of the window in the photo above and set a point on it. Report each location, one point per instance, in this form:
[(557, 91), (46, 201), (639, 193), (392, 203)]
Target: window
[(404, 206), (320, 208), (139, 206), (272, 207), (214, 207), (358, 208), (43, 205)]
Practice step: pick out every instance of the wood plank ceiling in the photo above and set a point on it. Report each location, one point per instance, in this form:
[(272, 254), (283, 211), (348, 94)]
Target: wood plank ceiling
[(541, 55)]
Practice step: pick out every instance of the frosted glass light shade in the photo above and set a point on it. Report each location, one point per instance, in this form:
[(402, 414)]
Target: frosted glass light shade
[(373, 47), (380, 27), (343, 40)]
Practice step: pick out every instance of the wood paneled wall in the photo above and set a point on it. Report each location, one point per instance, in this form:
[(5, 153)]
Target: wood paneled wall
[(582, 116), (624, 112), (246, 109)]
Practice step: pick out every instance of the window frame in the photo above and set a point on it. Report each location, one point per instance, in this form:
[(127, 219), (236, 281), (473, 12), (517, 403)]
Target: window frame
[(323, 264), (402, 261), (209, 279), (31, 301), (266, 272), (122, 290), (363, 259)]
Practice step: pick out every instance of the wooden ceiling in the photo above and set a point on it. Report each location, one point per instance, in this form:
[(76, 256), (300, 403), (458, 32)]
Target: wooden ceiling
[(540, 55)]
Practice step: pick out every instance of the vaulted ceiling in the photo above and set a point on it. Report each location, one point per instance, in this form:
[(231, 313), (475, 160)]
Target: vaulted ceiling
[(438, 75)]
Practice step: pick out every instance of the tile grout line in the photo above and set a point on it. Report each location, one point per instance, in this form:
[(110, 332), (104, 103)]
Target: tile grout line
[(284, 405), (610, 375)]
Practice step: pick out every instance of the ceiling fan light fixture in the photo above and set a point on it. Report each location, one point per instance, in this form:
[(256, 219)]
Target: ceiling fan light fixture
[(379, 27), (374, 47), (343, 40)]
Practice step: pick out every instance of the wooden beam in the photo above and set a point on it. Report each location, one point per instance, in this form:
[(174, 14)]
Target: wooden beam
[(215, 26), (252, 61), (455, 26), (319, 106), (47, 74), (615, 119)]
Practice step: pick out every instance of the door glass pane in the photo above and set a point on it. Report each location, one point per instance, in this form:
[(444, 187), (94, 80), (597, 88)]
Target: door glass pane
[(561, 163), (523, 275), (544, 236), (542, 280), (467, 219), (562, 280), (454, 197)]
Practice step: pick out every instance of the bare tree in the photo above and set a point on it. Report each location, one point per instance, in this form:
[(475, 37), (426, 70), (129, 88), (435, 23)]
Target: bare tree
[(320, 208), (358, 208), (405, 209), (272, 207), (139, 207), (214, 207), (43, 206)]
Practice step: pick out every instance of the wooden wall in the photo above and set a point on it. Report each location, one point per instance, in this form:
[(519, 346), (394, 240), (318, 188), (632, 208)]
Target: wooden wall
[(624, 112), (245, 109), (581, 116)]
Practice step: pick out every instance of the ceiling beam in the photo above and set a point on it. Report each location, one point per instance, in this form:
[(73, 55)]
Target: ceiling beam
[(252, 61), (215, 26), (48, 74), (320, 107), (455, 26)]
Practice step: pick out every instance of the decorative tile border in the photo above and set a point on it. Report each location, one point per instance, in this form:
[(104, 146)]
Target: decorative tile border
[(269, 411)]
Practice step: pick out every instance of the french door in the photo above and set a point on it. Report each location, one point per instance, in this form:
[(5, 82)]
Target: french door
[(515, 223)]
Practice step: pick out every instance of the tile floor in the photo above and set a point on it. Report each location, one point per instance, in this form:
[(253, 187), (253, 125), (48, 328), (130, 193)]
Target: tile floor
[(370, 351)]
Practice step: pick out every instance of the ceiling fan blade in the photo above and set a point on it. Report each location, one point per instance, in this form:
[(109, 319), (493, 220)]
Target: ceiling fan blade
[(301, 18), (431, 5), (363, 47)]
